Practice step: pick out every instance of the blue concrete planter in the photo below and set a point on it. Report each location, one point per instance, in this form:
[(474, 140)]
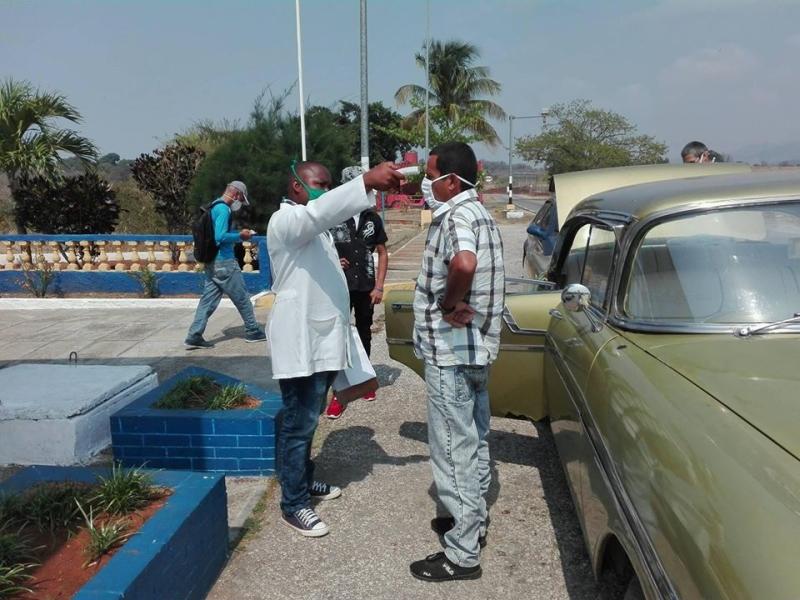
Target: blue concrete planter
[(177, 554), (234, 442)]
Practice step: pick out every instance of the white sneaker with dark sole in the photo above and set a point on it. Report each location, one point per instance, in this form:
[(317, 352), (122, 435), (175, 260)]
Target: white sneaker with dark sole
[(305, 522), (322, 491)]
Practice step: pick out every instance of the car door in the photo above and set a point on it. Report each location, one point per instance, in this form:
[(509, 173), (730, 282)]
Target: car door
[(576, 338), (516, 380)]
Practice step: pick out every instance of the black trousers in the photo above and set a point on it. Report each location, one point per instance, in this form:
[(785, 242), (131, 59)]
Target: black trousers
[(361, 304)]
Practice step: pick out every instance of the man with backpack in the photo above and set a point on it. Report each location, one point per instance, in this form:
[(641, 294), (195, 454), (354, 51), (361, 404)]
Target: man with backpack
[(213, 243)]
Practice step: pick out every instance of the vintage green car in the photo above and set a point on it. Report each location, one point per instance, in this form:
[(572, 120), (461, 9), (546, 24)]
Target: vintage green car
[(665, 352)]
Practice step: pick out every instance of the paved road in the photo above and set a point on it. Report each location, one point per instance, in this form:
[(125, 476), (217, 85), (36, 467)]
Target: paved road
[(530, 204)]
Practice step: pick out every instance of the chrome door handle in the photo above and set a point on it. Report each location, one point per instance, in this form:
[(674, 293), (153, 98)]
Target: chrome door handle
[(556, 314)]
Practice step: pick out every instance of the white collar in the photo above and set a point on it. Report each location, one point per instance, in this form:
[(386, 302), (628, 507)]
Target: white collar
[(457, 199)]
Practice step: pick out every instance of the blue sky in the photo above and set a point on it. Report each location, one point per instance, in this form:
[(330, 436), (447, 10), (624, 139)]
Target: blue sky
[(723, 71)]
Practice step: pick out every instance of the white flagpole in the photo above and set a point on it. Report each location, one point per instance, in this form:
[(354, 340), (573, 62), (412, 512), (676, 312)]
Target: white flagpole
[(300, 81)]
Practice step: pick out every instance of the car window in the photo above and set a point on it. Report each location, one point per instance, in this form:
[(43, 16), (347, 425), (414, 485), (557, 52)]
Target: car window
[(725, 267), (589, 260), (597, 267), (543, 215)]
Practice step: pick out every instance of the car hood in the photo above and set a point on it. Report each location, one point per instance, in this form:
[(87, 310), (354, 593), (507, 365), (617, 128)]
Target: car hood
[(756, 377)]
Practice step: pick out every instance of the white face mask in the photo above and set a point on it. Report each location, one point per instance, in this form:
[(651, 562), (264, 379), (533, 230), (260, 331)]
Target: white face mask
[(236, 205), (427, 190)]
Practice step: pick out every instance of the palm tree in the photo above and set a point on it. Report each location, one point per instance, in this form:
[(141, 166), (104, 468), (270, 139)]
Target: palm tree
[(30, 143), (456, 86)]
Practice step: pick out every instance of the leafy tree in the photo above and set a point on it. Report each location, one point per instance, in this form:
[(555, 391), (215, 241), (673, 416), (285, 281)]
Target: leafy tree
[(138, 211), (442, 128), (456, 87), (77, 204), (589, 138), (111, 158), (31, 143), (261, 153), (383, 144), (167, 174)]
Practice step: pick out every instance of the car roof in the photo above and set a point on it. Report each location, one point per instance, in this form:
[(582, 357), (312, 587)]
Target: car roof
[(643, 200), (572, 188)]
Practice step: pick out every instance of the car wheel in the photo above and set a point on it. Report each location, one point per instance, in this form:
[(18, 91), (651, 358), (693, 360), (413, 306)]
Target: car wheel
[(634, 590)]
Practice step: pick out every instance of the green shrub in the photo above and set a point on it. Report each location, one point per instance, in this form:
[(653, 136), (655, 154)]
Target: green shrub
[(124, 491), (203, 393)]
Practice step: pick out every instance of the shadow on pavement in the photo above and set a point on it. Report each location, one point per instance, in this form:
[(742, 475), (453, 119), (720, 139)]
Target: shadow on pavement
[(540, 453), (350, 455)]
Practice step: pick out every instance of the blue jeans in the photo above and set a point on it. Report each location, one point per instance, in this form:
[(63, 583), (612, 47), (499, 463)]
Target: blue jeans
[(223, 277), (303, 401), (458, 423)]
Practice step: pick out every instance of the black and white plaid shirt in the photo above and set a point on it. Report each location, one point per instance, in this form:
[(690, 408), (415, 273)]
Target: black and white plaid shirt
[(463, 224)]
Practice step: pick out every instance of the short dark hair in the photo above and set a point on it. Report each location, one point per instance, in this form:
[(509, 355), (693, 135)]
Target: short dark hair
[(693, 148), (458, 158)]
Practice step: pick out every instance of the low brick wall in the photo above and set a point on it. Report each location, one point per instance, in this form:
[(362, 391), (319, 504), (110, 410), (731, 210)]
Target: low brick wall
[(177, 554), (234, 442)]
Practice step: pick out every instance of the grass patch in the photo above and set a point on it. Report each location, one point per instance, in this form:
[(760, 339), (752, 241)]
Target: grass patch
[(12, 578), (51, 506), (124, 491), (103, 537), (203, 393), (255, 522)]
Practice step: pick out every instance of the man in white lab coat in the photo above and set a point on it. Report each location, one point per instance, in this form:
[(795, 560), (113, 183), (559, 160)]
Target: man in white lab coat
[(309, 328)]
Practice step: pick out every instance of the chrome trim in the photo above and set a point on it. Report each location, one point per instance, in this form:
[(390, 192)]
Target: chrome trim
[(400, 341), (514, 328), (543, 282), (556, 314), (522, 347), (624, 505), (402, 306)]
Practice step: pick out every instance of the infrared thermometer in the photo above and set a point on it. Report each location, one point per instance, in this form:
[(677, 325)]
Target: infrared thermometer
[(406, 171)]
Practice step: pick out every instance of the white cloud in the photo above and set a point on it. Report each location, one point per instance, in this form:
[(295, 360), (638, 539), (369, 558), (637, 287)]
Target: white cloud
[(726, 64)]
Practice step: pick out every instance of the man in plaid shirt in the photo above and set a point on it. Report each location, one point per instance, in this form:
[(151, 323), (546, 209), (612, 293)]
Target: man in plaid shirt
[(458, 304)]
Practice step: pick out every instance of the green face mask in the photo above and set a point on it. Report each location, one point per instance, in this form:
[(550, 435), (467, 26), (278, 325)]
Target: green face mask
[(313, 193)]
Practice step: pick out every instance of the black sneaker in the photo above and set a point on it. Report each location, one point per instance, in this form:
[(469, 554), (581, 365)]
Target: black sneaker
[(442, 525), (252, 338), (322, 491), (306, 522), (197, 342), (437, 567)]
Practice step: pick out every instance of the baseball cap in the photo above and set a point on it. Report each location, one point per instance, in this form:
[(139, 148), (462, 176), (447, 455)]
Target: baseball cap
[(239, 185), (350, 173)]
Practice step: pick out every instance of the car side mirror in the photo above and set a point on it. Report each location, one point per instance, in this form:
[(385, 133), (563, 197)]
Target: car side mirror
[(535, 230), (575, 297)]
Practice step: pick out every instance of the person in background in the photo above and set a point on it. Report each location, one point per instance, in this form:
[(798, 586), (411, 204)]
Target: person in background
[(698, 152), (223, 276), (458, 307), (309, 326), (356, 239)]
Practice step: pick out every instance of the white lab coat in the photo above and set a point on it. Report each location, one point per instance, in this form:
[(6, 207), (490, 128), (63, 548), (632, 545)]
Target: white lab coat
[(309, 327)]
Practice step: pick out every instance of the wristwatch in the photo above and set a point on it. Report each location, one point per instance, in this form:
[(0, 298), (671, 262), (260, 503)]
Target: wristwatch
[(445, 310)]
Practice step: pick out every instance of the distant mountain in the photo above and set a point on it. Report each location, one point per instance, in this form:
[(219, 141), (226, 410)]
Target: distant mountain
[(773, 154)]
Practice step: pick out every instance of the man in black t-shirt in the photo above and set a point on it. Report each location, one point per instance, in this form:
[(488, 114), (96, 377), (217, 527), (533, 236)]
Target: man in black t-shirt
[(356, 239)]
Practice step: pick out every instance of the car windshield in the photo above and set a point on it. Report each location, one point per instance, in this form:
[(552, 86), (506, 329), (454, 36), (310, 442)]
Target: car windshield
[(733, 266)]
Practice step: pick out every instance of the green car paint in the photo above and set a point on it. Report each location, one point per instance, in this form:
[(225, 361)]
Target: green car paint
[(680, 442)]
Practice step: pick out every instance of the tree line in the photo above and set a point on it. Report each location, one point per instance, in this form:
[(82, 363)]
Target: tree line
[(59, 185)]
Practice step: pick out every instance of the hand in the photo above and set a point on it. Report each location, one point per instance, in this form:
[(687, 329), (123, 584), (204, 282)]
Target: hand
[(461, 316), (384, 177), (376, 296), (246, 234), (345, 263)]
